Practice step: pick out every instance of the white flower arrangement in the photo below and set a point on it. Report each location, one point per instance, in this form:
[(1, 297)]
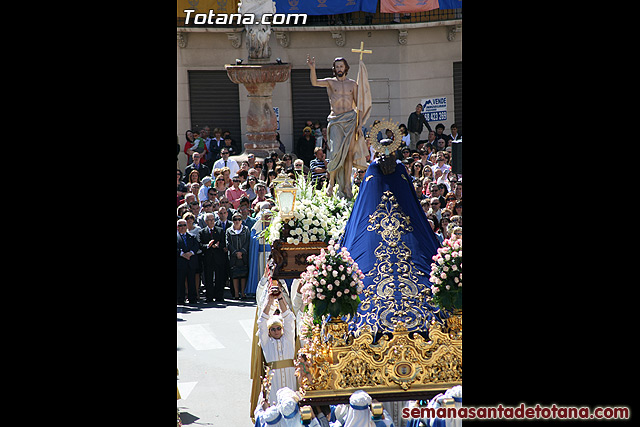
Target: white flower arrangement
[(317, 217)]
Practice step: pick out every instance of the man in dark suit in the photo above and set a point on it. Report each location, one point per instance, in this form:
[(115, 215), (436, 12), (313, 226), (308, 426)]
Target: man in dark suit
[(224, 223), (187, 263), (212, 242), (203, 170)]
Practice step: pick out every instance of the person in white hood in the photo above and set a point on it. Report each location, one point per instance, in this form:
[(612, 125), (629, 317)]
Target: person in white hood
[(359, 414)]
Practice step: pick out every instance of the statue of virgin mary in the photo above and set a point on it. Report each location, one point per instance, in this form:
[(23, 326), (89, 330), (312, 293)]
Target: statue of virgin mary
[(388, 235)]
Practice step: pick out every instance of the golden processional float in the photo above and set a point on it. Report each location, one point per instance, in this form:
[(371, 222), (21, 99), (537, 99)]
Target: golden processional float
[(390, 326)]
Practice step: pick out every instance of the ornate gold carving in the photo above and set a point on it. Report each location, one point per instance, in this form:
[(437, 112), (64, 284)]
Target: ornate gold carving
[(320, 357), (336, 331), (454, 325), (401, 363)]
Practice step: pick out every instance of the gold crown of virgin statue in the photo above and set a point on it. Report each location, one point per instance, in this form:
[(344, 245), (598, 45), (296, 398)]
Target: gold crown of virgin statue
[(382, 126)]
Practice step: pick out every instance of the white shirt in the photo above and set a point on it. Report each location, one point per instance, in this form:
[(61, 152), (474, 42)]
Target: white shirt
[(231, 164), (202, 193), (445, 168), (444, 179)]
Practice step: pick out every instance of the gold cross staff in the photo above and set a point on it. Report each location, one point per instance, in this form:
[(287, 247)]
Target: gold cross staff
[(361, 50)]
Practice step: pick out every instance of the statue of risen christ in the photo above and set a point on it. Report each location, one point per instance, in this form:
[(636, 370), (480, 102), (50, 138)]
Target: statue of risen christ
[(342, 127)]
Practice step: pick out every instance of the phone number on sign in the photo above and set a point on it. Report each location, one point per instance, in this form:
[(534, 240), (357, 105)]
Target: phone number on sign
[(436, 115)]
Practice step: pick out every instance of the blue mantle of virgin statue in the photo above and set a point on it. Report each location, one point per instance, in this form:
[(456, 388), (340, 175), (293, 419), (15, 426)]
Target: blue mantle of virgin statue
[(388, 235)]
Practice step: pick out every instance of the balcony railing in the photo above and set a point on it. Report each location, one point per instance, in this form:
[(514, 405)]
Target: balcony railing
[(358, 18)]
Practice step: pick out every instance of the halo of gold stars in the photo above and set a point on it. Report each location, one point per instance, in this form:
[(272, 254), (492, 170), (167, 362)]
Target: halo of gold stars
[(382, 126)]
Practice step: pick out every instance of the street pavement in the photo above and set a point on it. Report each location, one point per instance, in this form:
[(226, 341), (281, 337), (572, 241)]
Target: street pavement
[(214, 356)]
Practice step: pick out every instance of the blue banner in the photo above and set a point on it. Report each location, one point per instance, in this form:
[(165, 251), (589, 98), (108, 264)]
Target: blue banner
[(450, 4), (325, 7)]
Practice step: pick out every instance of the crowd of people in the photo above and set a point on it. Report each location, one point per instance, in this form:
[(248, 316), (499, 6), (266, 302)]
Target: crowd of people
[(219, 199)]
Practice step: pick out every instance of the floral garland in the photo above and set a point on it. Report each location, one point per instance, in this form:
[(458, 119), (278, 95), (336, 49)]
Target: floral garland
[(446, 275), (331, 285)]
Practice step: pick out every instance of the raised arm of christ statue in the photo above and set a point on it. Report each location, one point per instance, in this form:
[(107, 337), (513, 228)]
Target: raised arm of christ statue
[(342, 91)]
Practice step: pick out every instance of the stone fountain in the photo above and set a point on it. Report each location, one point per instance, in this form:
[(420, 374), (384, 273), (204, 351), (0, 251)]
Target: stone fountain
[(259, 77)]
